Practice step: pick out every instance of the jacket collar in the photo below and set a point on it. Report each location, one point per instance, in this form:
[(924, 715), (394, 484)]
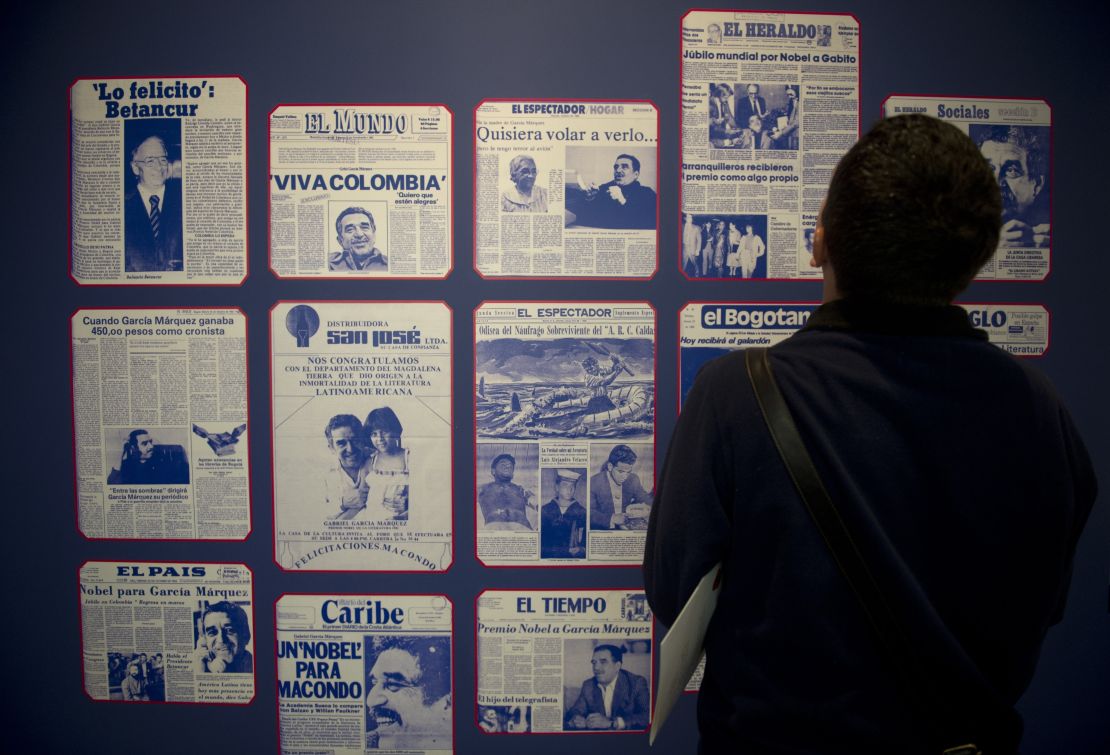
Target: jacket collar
[(874, 316)]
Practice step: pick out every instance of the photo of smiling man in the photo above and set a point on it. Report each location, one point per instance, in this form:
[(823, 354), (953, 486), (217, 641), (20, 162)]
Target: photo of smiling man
[(223, 633), (408, 692), (356, 231)]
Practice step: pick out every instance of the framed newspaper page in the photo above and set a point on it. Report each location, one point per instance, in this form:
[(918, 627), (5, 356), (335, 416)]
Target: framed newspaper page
[(1015, 137), (709, 329), (361, 191), (770, 103), (544, 657), (564, 420), (1021, 329), (365, 672), (161, 443), (362, 461), (158, 180), (566, 189), (167, 632)]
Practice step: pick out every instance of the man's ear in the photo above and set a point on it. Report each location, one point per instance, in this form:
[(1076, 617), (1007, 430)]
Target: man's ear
[(820, 252)]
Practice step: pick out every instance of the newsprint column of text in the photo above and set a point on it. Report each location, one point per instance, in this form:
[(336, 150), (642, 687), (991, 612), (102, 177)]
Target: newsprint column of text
[(360, 190), (167, 632), (770, 102), (158, 180), (160, 421)]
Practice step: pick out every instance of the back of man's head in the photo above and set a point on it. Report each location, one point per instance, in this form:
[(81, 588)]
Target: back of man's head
[(913, 211)]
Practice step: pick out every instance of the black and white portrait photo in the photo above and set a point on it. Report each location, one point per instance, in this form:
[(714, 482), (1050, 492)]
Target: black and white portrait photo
[(563, 517), (152, 171), (505, 719), (619, 499), (724, 246), (136, 677), (408, 692), (610, 188), (358, 229), (615, 692), (147, 456), (223, 634), (1019, 157), (522, 193), (369, 478), (508, 475), (754, 116)]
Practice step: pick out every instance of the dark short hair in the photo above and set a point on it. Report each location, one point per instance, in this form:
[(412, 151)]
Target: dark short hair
[(501, 457), (432, 654), (912, 213), (622, 453), (133, 437), (614, 651), (235, 614), (343, 420), (383, 418), (635, 162), (353, 211)]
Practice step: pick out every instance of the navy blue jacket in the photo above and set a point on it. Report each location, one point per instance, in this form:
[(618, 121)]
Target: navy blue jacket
[(962, 476)]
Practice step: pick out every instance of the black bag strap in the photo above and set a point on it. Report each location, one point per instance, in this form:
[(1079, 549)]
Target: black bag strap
[(924, 689)]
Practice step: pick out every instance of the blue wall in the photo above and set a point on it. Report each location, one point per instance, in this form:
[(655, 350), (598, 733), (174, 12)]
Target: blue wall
[(459, 53)]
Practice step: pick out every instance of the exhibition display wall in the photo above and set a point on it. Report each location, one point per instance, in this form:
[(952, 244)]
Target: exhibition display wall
[(350, 309)]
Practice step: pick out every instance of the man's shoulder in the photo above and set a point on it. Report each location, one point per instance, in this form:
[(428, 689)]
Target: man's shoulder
[(633, 680), (338, 261)]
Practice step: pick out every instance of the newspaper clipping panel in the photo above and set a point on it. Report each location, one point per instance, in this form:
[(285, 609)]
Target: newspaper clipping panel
[(544, 657), (167, 632), (360, 191), (1015, 137), (770, 102), (362, 435), (565, 423), (158, 180), (707, 330), (160, 423), (362, 672), (566, 189), (1021, 329)]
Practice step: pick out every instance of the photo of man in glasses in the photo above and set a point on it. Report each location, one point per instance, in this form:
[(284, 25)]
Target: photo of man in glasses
[(152, 196)]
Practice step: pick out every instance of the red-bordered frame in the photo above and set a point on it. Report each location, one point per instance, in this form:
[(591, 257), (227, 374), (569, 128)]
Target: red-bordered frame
[(1051, 157), (681, 52), (246, 178), (73, 426), (541, 591), (81, 635), (450, 203), (970, 305), (273, 439), (277, 676), (584, 101), (474, 417)]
